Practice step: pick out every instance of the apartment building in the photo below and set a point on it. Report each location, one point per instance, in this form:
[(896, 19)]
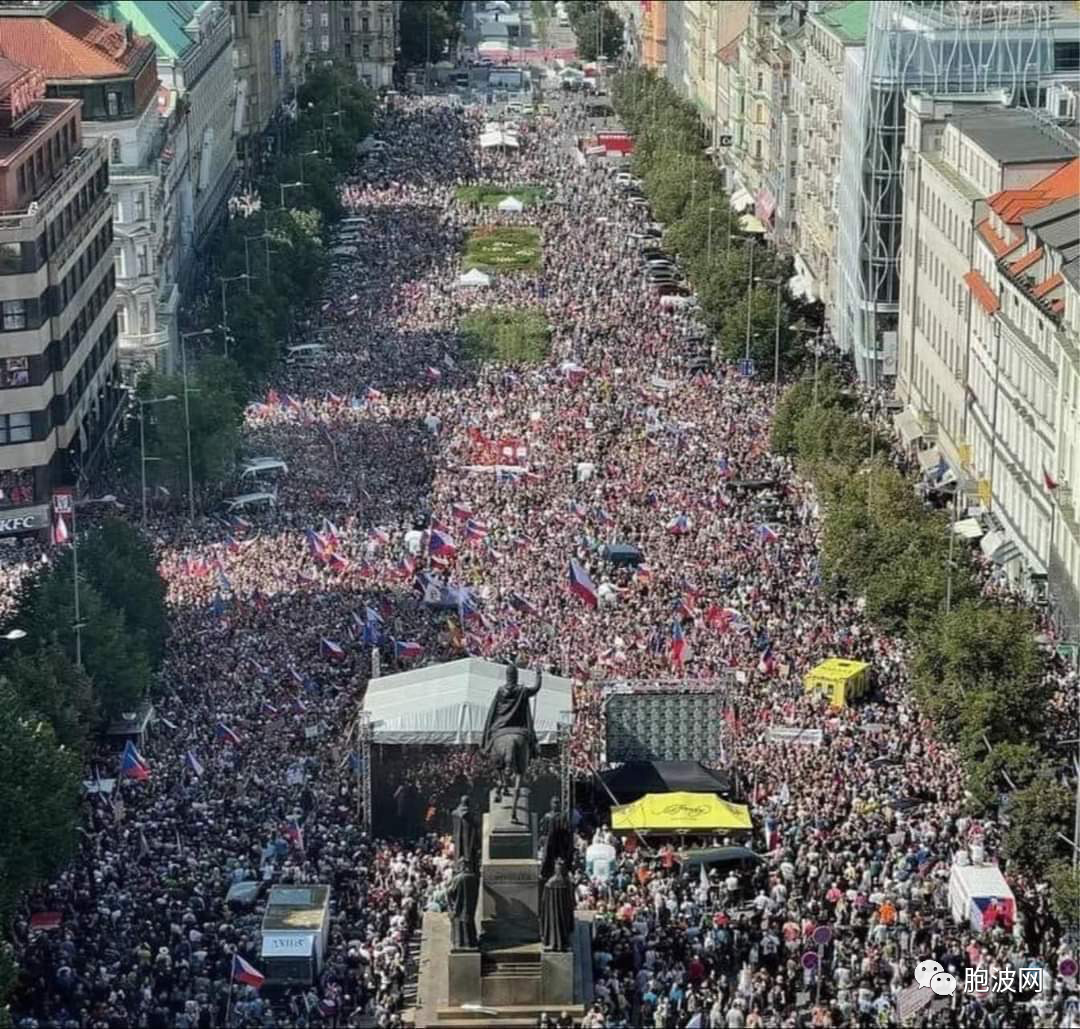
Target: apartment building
[(991, 230), (654, 16), (824, 56), (59, 389), (268, 59), (362, 34), (721, 26)]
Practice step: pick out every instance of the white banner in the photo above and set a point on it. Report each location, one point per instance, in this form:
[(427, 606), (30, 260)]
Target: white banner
[(804, 737)]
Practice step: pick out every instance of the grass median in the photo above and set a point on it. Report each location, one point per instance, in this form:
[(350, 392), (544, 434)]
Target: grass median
[(503, 248), (489, 195), (507, 335)]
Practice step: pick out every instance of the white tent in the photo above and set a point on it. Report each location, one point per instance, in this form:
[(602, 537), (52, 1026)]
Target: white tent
[(474, 277), (498, 138), (447, 704), (511, 204)]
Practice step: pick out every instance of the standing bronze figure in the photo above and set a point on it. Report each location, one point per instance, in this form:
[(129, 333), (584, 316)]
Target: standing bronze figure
[(463, 893), (466, 834), (509, 736), (557, 911)]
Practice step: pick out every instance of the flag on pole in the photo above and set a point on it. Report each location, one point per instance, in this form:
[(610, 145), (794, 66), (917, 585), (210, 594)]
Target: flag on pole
[(766, 534), (330, 650), (132, 764), (1049, 481), (678, 643), (225, 734), (192, 762), (407, 650), (581, 584), (679, 525), (244, 973)]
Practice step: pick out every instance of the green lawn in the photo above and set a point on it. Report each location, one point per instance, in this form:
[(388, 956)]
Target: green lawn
[(487, 195), (503, 248), (507, 335)]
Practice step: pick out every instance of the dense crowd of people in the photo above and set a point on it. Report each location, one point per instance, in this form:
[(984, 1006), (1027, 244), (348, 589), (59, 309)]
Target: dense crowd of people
[(391, 435)]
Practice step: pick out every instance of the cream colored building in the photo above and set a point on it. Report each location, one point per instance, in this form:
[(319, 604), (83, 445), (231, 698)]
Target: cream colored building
[(991, 230)]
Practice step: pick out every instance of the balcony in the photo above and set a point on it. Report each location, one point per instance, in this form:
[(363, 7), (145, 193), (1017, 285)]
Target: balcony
[(78, 169), (87, 224)]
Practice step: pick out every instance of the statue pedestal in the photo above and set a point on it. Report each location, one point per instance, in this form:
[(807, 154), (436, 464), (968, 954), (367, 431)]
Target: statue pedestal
[(557, 978), (464, 977), (510, 878)]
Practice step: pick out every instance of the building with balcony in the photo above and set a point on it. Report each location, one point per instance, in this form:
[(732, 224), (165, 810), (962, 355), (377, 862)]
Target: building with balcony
[(59, 388), (362, 34), (113, 72), (268, 57), (195, 62), (987, 364), (938, 47), (654, 14), (721, 26)]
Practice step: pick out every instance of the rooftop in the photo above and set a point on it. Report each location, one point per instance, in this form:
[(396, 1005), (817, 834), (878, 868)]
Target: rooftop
[(70, 42), (848, 22), (1017, 136), (1013, 204), (164, 21)]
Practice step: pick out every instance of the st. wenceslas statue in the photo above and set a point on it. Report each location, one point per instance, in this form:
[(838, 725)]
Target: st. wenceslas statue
[(509, 735)]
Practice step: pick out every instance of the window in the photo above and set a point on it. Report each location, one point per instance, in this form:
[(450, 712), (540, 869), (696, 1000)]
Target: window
[(15, 371), (365, 24), (324, 19), (15, 428), (144, 319), (13, 313), (16, 487), (122, 320), (140, 206), (10, 258), (760, 81), (142, 260), (324, 43), (346, 24), (365, 51), (348, 50), (112, 104), (114, 151)]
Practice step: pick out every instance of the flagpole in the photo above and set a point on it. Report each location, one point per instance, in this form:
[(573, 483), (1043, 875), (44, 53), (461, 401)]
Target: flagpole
[(232, 980)]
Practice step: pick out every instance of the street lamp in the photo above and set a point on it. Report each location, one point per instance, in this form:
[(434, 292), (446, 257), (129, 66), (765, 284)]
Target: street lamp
[(711, 209), (142, 442), (302, 155), (184, 337), (749, 294), (265, 237), (244, 277), (288, 185)]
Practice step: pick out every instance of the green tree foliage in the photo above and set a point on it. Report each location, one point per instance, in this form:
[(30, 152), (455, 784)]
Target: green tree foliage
[(39, 794), (117, 561), (1065, 895), (1036, 815), (763, 324), (1008, 766), (48, 685), (437, 22), (597, 28), (798, 399), (978, 670), (215, 425)]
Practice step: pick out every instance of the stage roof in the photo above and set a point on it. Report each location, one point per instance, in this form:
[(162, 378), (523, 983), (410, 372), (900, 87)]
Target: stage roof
[(447, 704)]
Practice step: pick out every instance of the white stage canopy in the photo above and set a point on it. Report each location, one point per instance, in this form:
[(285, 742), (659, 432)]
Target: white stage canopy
[(447, 704), (474, 277)]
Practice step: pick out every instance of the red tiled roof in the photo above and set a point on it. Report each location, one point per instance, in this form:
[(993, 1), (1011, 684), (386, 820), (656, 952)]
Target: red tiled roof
[(1048, 286), (1013, 204), (1025, 262), (1000, 246), (72, 43), (981, 291)]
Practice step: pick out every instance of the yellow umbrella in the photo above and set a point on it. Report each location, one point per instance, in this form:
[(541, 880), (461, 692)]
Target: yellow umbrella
[(680, 812)]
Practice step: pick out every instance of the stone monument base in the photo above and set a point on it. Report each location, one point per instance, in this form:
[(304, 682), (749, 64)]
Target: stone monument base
[(503, 986)]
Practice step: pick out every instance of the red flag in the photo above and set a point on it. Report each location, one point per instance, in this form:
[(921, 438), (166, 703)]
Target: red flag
[(1049, 481)]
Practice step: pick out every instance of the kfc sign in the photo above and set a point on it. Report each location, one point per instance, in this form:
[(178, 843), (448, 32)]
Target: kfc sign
[(25, 519)]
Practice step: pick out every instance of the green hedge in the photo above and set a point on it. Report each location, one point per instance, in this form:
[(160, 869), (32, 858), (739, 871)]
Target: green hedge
[(502, 248), (507, 335)]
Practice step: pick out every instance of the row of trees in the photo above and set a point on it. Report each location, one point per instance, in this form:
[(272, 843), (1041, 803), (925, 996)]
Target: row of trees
[(727, 267), (976, 667), (281, 245), (429, 29), (597, 28), (51, 705)]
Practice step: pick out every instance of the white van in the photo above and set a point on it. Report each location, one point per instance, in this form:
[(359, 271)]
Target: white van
[(249, 501), (305, 353), (256, 466)]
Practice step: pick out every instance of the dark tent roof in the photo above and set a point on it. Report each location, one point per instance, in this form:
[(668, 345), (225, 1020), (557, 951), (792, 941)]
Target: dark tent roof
[(636, 778), (622, 554)]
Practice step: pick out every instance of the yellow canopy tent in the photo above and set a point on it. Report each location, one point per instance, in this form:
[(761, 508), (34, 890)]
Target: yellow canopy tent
[(679, 812), (841, 679)]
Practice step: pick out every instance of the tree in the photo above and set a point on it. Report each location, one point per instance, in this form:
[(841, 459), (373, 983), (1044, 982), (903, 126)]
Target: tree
[(428, 28), (1036, 815), (799, 398), (830, 435), (978, 670), (763, 323), (121, 566), (48, 685), (215, 419), (598, 30), (1008, 766), (39, 797), (1065, 895)]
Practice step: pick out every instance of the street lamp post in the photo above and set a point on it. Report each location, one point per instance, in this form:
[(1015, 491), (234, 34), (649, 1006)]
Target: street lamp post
[(245, 277), (288, 185), (142, 442), (778, 282), (711, 209), (266, 244), (184, 337), (302, 155), (749, 294)]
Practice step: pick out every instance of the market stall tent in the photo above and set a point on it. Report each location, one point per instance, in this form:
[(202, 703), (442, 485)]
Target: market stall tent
[(474, 277), (680, 812), (841, 680), (511, 204)]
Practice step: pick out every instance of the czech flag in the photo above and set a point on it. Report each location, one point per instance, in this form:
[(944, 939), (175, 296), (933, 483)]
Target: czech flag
[(475, 530), (643, 573), (225, 734), (767, 664), (373, 395), (337, 563), (766, 534), (462, 512), (330, 650), (679, 525), (380, 537), (432, 374), (407, 650), (441, 544), (294, 833), (520, 603), (244, 973), (678, 644), (581, 584), (132, 764), (192, 762)]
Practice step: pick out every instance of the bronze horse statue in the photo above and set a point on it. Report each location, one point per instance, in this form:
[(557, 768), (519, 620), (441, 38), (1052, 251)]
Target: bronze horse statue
[(509, 735)]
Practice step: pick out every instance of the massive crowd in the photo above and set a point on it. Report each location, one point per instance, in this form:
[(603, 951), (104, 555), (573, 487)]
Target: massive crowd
[(390, 432)]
